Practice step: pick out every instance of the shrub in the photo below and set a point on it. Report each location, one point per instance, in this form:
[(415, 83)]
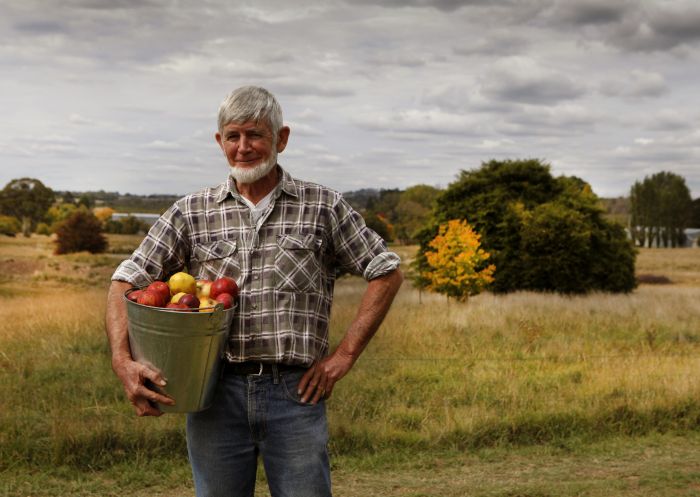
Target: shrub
[(81, 231), (9, 225)]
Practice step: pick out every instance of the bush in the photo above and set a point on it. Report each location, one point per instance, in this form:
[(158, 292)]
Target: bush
[(9, 225), (81, 231)]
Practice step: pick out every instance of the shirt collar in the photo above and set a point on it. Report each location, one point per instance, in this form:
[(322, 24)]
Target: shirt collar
[(286, 184)]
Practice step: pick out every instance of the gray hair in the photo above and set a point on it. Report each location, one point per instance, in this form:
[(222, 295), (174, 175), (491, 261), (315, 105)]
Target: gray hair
[(251, 103)]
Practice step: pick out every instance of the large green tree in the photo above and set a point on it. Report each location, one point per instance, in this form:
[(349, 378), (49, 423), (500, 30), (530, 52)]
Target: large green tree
[(661, 209), (27, 199), (544, 233)]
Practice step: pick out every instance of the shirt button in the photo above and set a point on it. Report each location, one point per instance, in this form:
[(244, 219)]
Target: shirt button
[(254, 306), (256, 277)]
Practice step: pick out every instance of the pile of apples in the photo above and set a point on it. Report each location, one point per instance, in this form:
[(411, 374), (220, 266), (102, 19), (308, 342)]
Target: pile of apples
[(183, 293)]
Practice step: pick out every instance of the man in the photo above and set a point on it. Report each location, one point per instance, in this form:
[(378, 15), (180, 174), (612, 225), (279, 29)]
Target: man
[(284, 241)]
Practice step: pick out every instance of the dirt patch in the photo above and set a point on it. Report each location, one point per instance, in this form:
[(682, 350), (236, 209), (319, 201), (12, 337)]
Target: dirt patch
[(20, 267)]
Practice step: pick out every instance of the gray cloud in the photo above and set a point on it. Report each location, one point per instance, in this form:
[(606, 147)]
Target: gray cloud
[(522, 80), (635, 84)]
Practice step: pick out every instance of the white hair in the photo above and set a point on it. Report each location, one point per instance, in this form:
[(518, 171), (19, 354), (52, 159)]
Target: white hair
[(251, 103)]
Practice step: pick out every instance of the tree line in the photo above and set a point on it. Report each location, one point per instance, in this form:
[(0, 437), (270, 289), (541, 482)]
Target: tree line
[(507, 225)]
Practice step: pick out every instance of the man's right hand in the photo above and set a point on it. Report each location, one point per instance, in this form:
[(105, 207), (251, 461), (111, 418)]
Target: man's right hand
[(134, 376)]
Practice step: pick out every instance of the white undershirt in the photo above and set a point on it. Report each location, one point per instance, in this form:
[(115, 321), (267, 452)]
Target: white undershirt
[(256, 210)]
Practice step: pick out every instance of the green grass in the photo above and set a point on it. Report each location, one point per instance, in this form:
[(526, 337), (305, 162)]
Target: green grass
[(515, 395)]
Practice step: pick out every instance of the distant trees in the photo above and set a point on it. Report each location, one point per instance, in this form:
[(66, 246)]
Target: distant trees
[(394, 214), (543, 233), (27, 199), (661, 210)]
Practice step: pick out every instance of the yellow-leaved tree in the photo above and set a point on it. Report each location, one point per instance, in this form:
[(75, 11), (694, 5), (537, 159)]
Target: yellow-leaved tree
[(457, 264)]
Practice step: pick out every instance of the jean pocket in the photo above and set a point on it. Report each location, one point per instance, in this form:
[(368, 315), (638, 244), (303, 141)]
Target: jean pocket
[(290, 386), (216, 259), (297, 267)]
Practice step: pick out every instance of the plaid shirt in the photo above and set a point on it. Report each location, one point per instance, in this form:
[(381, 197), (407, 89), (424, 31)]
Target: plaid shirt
[(285, 266)]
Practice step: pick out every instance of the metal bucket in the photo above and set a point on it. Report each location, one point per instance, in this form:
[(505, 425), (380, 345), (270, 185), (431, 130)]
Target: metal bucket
[(186, 347)]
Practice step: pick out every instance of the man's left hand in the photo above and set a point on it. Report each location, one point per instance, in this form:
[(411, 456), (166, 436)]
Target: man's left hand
[(319, 380)]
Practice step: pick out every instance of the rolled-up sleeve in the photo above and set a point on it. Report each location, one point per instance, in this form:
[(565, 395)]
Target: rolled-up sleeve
[(358, 249), (162, 252)]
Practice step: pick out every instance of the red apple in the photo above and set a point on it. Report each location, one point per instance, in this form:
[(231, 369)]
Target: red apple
[(226, 299), (177, 305), (160, 287), (151, 298), (134, 296), (189, 300), (224, 285)]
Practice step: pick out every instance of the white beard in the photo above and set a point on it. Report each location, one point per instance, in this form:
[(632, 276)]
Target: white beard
[(249, 175)]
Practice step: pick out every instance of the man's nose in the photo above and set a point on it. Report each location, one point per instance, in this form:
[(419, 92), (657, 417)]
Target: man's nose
[(243, 144)]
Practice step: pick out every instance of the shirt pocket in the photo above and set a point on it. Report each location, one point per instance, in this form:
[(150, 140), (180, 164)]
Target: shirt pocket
[(297, 267), (216, 259)]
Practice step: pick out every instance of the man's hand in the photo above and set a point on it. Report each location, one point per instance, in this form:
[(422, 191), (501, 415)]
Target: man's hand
[(134, 376), (318, 381)]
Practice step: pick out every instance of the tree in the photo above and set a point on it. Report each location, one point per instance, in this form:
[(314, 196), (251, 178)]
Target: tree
[(26, 199), (542, 232), (695, 215), (457, 264), (81, 231), (104, 214), (661, 210)]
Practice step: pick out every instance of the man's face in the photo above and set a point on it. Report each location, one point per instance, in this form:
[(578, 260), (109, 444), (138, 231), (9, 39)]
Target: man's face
[(250, 145)]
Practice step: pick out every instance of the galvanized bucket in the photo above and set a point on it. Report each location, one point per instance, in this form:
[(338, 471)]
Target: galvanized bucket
[(186, 347)]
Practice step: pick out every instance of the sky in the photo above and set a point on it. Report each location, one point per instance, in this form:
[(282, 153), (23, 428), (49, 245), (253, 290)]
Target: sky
[(122, 95)]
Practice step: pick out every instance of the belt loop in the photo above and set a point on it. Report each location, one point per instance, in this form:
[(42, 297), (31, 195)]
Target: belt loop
[(275, 374), (260, 372)]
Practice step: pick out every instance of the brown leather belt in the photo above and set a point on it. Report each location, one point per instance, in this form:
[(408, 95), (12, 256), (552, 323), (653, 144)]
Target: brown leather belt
[(258, 368)]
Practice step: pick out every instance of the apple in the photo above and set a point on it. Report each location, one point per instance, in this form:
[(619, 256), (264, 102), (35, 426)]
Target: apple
[(151, 298), (203, 288), (134, 296), (160, 287), (226, 299), (224, 285), (176, 298), (207, 304), (189, 300), (177, 305), (182, 282)]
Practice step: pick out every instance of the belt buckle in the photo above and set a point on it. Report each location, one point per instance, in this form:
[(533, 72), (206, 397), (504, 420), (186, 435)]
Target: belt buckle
[(260, 372)]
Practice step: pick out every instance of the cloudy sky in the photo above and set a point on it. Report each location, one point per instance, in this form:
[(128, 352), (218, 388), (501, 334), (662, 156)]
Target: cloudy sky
[(122, 95)]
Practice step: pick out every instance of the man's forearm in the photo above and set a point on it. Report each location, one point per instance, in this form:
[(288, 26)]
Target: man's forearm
[(116, 322), (373, 308)]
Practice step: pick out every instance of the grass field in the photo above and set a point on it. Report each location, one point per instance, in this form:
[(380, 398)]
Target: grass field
[(517, 395)]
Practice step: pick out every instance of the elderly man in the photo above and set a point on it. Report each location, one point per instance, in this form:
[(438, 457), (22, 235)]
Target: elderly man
[(284, 241)]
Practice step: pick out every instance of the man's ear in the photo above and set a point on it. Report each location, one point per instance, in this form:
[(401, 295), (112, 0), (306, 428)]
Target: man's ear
[(218, 140), (282, 138)]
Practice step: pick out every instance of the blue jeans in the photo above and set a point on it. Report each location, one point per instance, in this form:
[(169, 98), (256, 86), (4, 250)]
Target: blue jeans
[(253, 415)]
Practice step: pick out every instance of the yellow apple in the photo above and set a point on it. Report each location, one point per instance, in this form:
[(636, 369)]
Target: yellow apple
[(182, 282), (206, 304), (203, 288)]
